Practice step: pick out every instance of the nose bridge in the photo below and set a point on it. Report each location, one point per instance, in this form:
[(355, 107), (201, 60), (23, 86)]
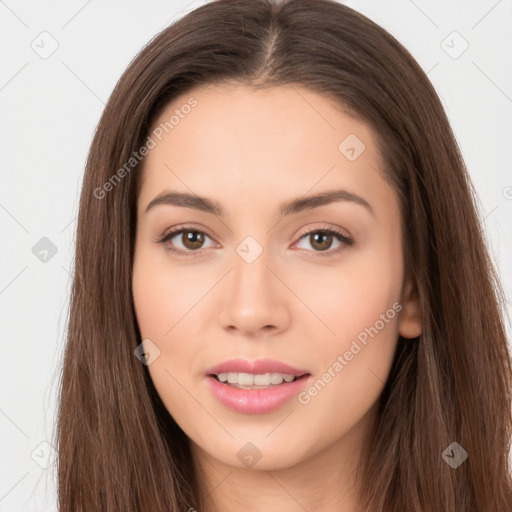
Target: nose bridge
[(253, 298), (251, 276)]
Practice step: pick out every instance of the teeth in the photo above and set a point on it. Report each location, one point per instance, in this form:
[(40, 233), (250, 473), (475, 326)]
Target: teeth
[(248, 379)]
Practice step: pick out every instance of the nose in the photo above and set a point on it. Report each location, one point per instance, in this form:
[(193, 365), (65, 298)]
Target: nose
[(254, 299)]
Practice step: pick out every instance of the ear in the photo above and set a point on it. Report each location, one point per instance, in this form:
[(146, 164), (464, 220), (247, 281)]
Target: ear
[(409, 324)]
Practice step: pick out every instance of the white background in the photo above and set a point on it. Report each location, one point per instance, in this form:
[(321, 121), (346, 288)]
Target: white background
[(49, 110)]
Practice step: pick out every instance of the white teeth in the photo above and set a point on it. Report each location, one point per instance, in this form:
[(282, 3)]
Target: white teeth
[(248, 379)]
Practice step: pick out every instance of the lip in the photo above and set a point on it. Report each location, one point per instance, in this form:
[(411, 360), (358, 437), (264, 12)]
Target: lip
[(258, 367), (256, 401)]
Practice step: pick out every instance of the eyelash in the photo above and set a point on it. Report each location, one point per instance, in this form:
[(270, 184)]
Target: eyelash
[(346, 241)]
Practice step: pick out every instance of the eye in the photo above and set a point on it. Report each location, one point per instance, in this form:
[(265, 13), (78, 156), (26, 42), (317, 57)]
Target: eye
[(322, 239), (192, 240)]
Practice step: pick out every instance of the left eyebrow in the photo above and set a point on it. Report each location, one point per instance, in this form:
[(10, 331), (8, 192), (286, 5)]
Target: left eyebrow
[(292, 207), (329, 196)]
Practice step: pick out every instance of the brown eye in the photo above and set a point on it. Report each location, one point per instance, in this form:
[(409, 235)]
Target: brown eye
[(189, 243), (321, 240), (192, 239)]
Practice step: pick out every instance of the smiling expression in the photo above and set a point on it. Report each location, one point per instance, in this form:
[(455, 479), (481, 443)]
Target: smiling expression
[(290, 248)]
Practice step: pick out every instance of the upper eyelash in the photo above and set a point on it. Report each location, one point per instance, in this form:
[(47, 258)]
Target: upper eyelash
[(328, 230)]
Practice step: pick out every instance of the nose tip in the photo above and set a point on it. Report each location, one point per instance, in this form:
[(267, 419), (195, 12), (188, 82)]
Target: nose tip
[(251, 300)]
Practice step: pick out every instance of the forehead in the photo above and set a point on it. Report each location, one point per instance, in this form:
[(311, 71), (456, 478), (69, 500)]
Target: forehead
[(278, 116), (240, 143)]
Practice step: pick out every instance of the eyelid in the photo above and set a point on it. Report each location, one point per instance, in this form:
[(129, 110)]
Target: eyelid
[(325, 227), (175, 229)]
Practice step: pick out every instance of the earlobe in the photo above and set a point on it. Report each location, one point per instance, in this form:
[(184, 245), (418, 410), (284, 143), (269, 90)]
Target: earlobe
[(409, 325)]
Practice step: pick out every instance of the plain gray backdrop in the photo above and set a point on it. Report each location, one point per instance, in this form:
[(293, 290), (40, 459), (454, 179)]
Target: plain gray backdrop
[(59, 64)]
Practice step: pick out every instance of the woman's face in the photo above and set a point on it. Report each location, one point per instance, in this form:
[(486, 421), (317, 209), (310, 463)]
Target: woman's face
[(257, 281)]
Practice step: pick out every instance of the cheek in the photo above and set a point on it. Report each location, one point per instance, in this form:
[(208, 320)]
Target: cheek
[(360, 305), (351, 296), (159, 307), (163, 301), (158, 295), (353, 374)]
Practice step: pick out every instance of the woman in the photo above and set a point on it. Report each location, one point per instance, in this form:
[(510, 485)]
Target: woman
[(328, 335)]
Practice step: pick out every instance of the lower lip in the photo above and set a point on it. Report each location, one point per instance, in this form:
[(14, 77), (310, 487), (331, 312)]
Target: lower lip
[(256, 401)]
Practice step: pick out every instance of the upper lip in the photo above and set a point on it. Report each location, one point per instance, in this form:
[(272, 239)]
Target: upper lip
[(258, 367)]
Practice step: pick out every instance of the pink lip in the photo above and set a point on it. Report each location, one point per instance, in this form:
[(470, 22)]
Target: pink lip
[(256, 401), (258, 367)]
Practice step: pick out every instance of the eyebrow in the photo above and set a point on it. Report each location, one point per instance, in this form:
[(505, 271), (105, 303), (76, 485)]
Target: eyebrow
[(294, 206)]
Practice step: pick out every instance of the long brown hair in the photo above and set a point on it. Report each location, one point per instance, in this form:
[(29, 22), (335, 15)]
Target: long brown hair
[(119, 448)]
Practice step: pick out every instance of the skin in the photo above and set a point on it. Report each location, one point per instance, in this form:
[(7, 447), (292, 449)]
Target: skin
[(250, 151)]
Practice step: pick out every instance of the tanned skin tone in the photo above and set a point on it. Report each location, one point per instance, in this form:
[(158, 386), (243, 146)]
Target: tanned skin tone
[(299, 301)]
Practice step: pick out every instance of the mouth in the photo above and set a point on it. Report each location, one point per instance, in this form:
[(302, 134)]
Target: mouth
[(267, 393), (255, 387), (256, 381)]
